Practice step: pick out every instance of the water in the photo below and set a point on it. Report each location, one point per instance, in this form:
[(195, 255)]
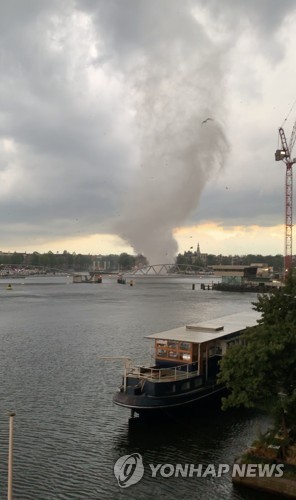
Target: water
[(68, 434)]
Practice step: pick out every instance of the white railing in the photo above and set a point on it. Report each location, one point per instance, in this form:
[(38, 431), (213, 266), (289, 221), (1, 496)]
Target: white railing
[(163, 374), (172, 373)]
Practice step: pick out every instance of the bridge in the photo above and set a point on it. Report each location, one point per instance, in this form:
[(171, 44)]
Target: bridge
[(166, 269), (15, 270)]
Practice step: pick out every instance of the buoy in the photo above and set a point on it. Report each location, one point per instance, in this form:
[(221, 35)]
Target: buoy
[(9, 287)]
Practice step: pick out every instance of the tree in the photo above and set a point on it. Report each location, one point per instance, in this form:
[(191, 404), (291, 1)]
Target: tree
[(181, 259), (261, 372), (82, 262), (140, 260), (35, 259), (126, 261)]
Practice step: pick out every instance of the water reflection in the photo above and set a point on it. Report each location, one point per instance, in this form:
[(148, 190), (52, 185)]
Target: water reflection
[(68, 434), (207, 436)]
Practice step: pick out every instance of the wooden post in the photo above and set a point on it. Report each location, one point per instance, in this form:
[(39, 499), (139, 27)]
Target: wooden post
[(10, 456), (124, 377), (200, 359)]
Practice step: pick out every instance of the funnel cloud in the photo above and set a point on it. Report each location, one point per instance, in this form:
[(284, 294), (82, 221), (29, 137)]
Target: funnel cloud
[(175, 79)]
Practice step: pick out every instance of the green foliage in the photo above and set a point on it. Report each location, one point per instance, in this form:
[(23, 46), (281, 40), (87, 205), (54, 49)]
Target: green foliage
[(280, 306), (72, 261), (261, 372), (190, 257), (11, 259), (126, 261)]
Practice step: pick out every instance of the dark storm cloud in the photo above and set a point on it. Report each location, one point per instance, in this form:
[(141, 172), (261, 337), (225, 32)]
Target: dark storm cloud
[(234, 207), (66, 156), (171, 66), (101, 104)]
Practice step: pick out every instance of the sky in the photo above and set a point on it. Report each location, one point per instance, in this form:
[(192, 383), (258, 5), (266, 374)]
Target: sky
[(145, 126)]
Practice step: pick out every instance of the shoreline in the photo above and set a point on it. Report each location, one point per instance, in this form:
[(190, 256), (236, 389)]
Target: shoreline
[(284, 485)]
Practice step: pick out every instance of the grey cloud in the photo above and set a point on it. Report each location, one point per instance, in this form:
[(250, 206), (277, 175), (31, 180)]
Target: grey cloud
[(67, 157), (103, 102), (266, 15), (131, 27), (172, 69), (240, 206)]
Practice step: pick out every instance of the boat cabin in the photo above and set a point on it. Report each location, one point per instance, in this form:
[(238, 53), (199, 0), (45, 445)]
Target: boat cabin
[(200, 346), (186, 363)]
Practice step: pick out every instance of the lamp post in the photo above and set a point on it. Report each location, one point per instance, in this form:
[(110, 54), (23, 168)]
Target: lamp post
[(10, 456)]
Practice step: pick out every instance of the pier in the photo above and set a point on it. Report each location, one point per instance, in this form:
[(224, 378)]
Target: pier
[(206, 286)]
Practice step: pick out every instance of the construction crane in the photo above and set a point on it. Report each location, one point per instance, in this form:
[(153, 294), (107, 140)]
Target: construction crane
[(285, 154)]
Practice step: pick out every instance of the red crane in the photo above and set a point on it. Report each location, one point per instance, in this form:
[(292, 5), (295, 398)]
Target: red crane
[(285, 154)]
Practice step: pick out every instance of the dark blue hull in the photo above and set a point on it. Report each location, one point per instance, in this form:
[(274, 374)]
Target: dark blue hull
[(145, 403)]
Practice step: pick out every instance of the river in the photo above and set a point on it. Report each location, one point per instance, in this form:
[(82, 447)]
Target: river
[(67, 433)]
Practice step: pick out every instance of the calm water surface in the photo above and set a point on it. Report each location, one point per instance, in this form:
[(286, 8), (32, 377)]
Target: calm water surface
[(68, 434)]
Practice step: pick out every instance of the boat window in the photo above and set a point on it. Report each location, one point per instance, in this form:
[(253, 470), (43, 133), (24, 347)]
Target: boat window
[(215, 351), (174, 349), (185, 346)]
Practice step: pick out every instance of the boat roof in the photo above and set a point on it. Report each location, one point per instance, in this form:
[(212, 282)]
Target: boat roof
[(218, 328)]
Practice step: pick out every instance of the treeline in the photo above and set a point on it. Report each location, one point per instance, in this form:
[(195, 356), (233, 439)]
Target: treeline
[(124, 261), (63, 261), (72, 261), (204, 260)]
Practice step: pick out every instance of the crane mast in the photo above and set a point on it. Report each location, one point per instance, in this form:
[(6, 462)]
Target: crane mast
[(284, 154)]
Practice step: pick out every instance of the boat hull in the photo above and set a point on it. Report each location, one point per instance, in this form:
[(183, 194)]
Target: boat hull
[(144, 403)]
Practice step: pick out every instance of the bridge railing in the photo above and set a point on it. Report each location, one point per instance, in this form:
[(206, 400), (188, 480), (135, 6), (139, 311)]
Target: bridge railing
[(163, 269)]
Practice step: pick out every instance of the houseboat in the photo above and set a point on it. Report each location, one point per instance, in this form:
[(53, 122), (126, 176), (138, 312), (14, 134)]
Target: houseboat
[(185, 367)]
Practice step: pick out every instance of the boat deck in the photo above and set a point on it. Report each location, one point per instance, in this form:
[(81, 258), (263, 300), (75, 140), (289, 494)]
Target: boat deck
[(162, 374)]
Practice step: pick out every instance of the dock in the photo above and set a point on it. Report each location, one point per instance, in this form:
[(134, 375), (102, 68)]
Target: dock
[(240, 287)]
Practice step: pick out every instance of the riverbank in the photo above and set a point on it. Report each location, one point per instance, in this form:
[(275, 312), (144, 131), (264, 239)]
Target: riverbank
[(269, 471), (284, 486)]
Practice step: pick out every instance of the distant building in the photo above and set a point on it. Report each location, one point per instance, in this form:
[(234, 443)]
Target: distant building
[(263, 269), (199, 258), (229, 270)]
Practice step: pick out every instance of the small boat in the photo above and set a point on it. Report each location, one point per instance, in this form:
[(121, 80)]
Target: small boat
[(186, 364), (9, 287)]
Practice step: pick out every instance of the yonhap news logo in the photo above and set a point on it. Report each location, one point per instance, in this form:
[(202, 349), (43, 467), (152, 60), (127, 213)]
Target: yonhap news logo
[(129, 470)]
